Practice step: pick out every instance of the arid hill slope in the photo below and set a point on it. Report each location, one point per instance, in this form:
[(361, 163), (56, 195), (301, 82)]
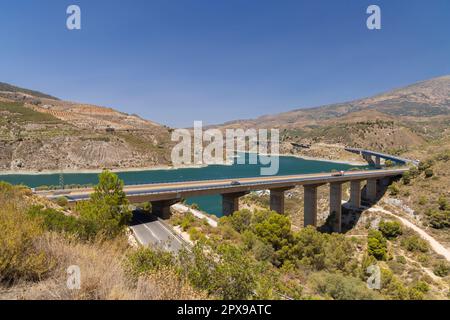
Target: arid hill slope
[(40, 132), (391, 122)]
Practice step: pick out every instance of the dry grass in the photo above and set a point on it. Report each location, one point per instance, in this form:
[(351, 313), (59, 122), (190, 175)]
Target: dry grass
[(102, 275), (34, 262), (20, 258)]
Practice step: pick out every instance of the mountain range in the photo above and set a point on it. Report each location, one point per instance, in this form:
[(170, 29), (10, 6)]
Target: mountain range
[(41, 132), (393, 121)]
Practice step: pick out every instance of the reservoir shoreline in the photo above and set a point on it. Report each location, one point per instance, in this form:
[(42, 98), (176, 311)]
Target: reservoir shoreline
[(161, 167)]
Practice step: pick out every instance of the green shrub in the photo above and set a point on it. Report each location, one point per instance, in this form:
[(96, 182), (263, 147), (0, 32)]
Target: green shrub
[(340, 287), (249, 239), (421, 286), (389, 163), (54, 220), (194, 234), (145, 206), (187, 221), (393, 189), (262, 251), (390, 229), (62, 201), (443, 203), (392, 287), (231, 277), (228, 232), (406, 178), (415, 244), (240, 220), (414, 172), (321, 251), (443, 156), (377, 245), (422, 166), (274, 229), (20, 258), (422, 200), (415, 294), (145, 260), (429, 173), (441, 269), (107, 210), (439, 219), (401, 259), (418, 290)]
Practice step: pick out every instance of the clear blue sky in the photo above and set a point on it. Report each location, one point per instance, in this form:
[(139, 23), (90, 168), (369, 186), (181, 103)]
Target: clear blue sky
[(176, 61)]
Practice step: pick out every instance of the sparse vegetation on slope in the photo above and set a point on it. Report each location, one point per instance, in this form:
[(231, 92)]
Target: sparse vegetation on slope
[(394, 122), (41, 133), (37, 247)]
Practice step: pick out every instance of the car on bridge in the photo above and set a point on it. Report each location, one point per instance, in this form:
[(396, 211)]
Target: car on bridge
[(235, 183), (337, 174)]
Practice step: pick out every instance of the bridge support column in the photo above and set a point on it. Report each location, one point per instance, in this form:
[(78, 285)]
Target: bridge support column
[(355, 194), (371, 190), (368, 158), (336, 205), (310, 205), (386, 181), (162, 208), (277, 199), (377, 162), (230, 202)]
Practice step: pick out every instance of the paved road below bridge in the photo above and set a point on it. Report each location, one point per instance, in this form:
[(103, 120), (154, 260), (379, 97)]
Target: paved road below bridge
[(150, 231)]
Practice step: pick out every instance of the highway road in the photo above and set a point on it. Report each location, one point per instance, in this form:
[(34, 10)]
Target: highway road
[(159, 191), (150, 231)]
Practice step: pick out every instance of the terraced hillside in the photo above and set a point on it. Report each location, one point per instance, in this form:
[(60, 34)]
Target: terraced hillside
[(394, 122), (39, 132)]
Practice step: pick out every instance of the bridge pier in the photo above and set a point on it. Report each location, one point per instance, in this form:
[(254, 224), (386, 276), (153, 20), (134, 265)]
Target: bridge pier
[(310, 205), (277, 199), (377, 162), (371, 190), (355, 193), (336, 205), (162, 208), (384, 182), (230, 202), (368, 158)]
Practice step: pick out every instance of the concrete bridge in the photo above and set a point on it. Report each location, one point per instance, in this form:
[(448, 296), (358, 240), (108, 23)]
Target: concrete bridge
[(163, 195), (368, 155)]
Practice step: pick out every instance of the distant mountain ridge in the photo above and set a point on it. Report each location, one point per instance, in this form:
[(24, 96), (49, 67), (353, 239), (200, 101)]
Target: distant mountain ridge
[(11, 88), (393, 121), (422, 99)]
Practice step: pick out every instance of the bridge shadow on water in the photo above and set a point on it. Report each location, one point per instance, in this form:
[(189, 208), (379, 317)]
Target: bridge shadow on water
[(351, 216)]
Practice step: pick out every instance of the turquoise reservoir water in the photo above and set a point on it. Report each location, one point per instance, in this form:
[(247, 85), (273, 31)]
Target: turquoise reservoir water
[(210, 204)]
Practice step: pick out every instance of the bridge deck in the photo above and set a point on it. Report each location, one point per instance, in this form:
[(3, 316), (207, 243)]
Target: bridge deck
[(178, 190), (382, 155)]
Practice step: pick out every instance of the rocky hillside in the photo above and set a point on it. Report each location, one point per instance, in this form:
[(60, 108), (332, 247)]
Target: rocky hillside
[(40, 132), (392, 121)]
